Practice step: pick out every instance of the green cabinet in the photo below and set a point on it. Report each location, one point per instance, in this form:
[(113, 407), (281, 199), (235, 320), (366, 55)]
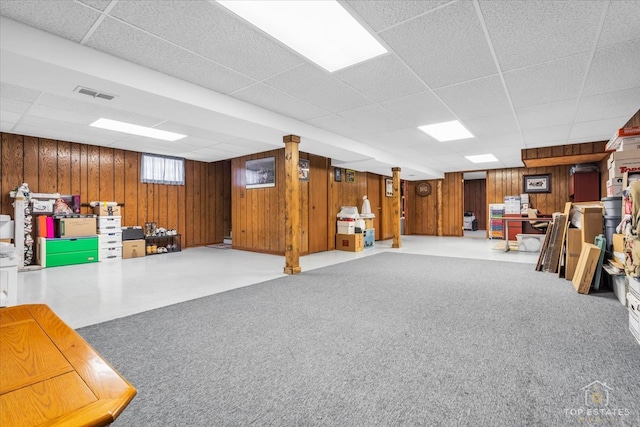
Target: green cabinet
[(68, 251)]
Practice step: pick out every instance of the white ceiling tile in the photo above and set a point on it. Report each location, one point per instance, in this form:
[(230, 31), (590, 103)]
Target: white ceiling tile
[(552, 134), (382, 14), (62, 115), (98, 4), (9, 116), (97, 108), (524, 33), (420, 109), (509, 140), (546, 83), (545, 115), (614, 68), (490, 125), (360, 122), (440, 46), (275, 100), (622, 22), (607, 105), (206, 136), (471, 146), (597, 129), (18, 92), (402, 139), (212, 31), (141, 48), (475, 98), (14, 105), (317, 87), (70, 135), (382, 78), (6, 126), (243, 146), (65, 18)]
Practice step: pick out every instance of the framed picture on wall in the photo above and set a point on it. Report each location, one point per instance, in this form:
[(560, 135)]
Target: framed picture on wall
[(260, 173), (349, 175), (303, 169), (337, 174), (388, 187), (536, 183)]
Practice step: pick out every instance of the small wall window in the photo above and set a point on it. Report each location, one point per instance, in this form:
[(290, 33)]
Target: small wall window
[(156, 169)]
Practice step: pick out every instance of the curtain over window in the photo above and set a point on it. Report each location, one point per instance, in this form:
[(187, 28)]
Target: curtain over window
[(157, 169)]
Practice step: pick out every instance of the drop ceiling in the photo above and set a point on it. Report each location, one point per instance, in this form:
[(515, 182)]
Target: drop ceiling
[(517, 74)]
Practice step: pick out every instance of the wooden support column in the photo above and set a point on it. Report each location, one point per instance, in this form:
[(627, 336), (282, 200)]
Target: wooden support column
[(439, 208), (292, 205), (397, 209)]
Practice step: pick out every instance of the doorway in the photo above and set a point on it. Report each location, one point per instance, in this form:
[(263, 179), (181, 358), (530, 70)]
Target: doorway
[(475, 202)]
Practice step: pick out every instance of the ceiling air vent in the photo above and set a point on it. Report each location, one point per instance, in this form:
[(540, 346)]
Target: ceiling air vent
[(93, 93)]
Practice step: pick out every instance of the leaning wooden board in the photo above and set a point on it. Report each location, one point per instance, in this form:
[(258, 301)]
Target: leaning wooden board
[(49, 375)]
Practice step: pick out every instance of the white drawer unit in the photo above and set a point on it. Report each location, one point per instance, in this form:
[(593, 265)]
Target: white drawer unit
[(106, 254), (9, 281), (110, 239), (107, 224)]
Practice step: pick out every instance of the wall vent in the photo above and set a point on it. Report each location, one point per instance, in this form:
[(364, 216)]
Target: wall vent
[(93, 93)]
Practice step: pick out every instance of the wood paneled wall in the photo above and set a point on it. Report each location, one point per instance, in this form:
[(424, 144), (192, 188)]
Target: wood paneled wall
[(421, 213), (200, 210), (508, 182), (258, 213), (441, 212), (475, 200), (452, 204)]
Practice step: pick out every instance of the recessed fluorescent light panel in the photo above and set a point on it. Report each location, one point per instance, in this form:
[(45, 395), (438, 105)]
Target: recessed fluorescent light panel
[(322, 31), (136, 130), (446, 131), (482, 158)]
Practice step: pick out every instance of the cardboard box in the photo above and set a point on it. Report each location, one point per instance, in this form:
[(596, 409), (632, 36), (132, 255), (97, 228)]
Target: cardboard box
[(350, 242), (574, 247), (42, 207), (588, 217), (110, 240), (620, 162), (618, 242), (107, 224), (110, 253), (620, 136), (133, 248), (587, 265), (368, 223), (75, 226), (629, 143), (106, 210), (346, 227)]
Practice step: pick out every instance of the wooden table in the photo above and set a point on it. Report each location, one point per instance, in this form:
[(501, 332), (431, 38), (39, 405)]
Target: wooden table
[(50, 376)]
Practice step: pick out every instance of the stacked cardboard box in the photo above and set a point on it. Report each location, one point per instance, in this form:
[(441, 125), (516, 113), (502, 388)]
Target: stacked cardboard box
[(109, 232), (626, 158)]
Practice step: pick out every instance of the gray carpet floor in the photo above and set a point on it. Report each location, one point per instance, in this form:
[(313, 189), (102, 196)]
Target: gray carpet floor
[(385, 340)]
